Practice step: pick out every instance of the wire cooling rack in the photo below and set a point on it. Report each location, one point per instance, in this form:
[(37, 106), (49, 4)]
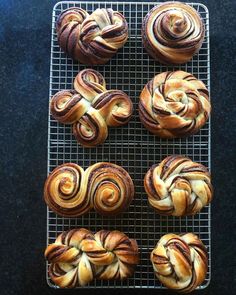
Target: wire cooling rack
[(131, 146)]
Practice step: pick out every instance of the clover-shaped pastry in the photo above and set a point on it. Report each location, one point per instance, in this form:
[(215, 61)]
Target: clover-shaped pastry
[(91, 108), (92, 39)]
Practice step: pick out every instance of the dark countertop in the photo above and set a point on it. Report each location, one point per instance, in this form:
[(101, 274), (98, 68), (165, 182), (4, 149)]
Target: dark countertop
[(25, 54)]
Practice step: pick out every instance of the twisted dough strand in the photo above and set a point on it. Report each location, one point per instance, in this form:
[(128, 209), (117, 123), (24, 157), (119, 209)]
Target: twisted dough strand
[(178, 186), (174, 104), (78, 256), (180, 261), (71, 191), (172, 32), (91, 108), (91, 39)]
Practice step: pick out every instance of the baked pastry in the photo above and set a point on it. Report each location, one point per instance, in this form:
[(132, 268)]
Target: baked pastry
[(77, 257), (91, 39), (178, 186), (70, 191), (91, 108), (180, 261), (174, 104), (172, 32)]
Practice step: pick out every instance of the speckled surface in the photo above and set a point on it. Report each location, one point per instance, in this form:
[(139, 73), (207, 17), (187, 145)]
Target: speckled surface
[(24, 53)]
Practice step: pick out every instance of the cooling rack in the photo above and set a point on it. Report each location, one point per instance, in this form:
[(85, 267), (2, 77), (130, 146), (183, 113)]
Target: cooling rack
[(132, 146)]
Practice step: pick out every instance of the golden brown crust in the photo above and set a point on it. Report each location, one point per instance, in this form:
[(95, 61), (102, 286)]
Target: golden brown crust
[(172, 32), (91, 39), (180, 261), (71, 191), (91, 108), (174, 104), (78, 256), (178, 186)]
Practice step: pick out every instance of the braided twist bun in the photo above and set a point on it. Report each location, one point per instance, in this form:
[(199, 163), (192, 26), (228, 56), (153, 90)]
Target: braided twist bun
[(70, 191), (91, 39), (78, 256), (178, 186), (174, 104), (180, 261), (91, 108), (172, 32)]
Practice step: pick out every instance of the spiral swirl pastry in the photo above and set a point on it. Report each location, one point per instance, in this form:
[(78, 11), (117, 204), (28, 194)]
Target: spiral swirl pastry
[(172, 32), (174, 104), (91, 108), (77, 257), (92, 39), (70, 191), (180, 261), (178, 186)]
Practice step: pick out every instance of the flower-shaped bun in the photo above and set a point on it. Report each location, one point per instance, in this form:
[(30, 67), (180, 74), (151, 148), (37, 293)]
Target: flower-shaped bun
[(178, 186), (174, 104), (172, 32), (180, 262)]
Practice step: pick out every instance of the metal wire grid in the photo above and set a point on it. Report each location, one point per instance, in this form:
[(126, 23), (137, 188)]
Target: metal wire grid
[(132, 146)]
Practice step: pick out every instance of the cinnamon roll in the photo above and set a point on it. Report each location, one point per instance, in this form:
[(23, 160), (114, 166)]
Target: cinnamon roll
[(70, 191), (91, 108), (180, 262), (178, 186), (172, 32), (174, 104), (91, 39), (78, 256)]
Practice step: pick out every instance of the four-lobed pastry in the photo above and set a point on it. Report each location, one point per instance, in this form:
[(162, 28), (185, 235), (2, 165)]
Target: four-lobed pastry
[(172, 32), (70, 191), (91, 108), (178, 186), (180, 261), (78, 256), (174, 104), (91, 39)]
